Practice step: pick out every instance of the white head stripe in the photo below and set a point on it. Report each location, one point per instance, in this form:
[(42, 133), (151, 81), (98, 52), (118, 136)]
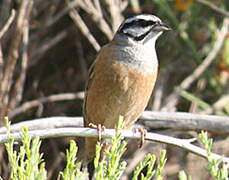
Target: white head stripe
[(146, 17)]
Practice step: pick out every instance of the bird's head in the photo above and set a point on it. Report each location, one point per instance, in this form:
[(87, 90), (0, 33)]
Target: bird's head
[(142, 29)]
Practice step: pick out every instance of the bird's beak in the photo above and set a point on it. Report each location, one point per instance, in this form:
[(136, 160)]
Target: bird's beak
[(161, 27)]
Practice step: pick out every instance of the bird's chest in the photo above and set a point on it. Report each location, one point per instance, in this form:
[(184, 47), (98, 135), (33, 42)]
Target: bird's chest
[(128, 79), (123, 77), (124, 85)]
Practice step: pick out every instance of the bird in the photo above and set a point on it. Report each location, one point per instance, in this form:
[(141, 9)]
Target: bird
[(122, 77)]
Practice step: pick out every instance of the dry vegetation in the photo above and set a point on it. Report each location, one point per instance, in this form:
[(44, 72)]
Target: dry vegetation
[(46, 48)]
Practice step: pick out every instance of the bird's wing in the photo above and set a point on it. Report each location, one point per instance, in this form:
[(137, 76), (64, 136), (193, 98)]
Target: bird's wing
[(91, 73)]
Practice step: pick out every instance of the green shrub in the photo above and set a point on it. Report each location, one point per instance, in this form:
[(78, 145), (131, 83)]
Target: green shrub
[(27, 163)]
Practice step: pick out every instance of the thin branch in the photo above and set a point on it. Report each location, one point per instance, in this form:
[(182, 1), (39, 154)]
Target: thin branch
[(5, 9), (109, 133), (97, 15), (159, 92), (62, 13), (41, 123), (52, 98), (186, 121), (115, 12), (83, 28), (2, 32), (154, 120), (11, 60), (214, 7), (8, 23), (1, 62), (19, 84), (44, 47), (218, 105), (186, 83)]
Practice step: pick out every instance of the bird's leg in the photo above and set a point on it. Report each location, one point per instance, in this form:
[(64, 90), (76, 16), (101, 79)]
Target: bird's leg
[(99, 128), (143, 134)]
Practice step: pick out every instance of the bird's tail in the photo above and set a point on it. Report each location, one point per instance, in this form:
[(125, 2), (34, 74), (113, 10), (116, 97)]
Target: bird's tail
[(90, 151)]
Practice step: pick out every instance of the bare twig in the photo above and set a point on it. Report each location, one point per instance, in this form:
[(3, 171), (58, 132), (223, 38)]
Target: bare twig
[(2, 32), (11, 60), (19, 84), (186, 83), (5, 9), (94, 9), (109, 133), (218, 105), (186, 121), (83, 28), (48, 44), (8, 23), (155, 120), (135, 5), (1, 62), (52, 98), (39, 124), (158, 93), (214, 7), (62, 13), (116, 12), (201, 84)]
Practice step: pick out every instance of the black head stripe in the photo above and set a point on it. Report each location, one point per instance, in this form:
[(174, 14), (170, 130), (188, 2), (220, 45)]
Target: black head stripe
[(137, 23), (143, 23)]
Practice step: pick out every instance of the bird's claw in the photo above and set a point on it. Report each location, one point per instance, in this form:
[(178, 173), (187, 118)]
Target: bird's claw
[(99, 128), (143, 134)]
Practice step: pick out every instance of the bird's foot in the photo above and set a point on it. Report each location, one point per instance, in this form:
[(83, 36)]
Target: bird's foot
[(99, 128), (143, 134)]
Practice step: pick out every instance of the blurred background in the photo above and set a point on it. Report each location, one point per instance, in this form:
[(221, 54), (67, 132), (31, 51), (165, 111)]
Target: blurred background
[(47, 47)]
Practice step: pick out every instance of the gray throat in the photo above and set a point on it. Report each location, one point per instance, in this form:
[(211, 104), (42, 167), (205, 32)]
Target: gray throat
[(143, 58)]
